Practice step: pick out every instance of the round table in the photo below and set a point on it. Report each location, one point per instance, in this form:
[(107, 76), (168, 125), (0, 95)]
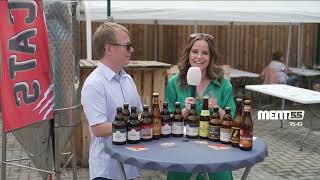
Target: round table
[(187, 155)]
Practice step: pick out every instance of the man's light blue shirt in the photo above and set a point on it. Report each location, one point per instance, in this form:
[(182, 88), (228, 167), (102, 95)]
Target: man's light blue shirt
[(103, 91)]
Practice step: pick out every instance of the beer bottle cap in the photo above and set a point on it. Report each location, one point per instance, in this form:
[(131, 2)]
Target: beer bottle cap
[(155, 94), (247, 101), (119, 108), (133, 108), (125, 105), (239, 100), (165, 104)]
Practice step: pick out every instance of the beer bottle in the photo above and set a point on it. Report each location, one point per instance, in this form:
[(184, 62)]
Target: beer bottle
[(126, 112), (225, 131), (165, 121), (177, 121), (133, 127), (119, 129), (246, 128), (146, 125), (192, 126), (214, 125), (204, 119), (235, 134), (156, 117)]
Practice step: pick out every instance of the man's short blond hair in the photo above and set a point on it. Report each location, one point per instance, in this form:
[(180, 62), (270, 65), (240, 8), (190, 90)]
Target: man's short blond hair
[(106, 34)]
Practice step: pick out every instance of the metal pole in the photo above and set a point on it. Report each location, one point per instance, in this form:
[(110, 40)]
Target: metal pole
[(299, 48), (89, 39), (232, 44), (156, 40), (245, 173), (109, 8), (287, 63), (74, 160), (195, 27), (55, 139), (288, 49), (4, 158), (122, 171)]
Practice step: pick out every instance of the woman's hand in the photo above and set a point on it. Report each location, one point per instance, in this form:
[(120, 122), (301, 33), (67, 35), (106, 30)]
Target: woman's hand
[(212, 102), (188, 101)]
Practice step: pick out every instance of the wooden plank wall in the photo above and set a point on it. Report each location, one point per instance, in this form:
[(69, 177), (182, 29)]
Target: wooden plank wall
[(253, 44)]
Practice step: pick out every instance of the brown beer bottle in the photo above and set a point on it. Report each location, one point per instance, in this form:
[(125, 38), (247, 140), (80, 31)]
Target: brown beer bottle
[(146, 125), (204, 119), (246, 128), (177, 121), (235, 134), (165, 121), (126, 112), (214, 125), (133, 127), (225, 131), (119, 129), (192, 125), (156, 116)]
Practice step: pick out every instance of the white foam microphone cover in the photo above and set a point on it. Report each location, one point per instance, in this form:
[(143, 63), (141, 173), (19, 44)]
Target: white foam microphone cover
[(194, 76)]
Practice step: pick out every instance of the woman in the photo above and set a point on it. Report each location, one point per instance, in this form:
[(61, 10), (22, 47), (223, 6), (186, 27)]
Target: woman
[(277, 66), (200, 52)]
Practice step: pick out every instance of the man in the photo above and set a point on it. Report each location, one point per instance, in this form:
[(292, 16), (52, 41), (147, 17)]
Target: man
[(105, 89)]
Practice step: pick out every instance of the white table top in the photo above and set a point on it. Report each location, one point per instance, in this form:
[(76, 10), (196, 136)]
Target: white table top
[(296, 94), (304, 72), (236, 73)]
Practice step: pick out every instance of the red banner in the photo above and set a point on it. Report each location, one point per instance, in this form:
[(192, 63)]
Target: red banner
[(26, 85)]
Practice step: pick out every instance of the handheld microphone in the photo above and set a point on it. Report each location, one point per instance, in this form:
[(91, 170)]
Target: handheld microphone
[(193, 79)]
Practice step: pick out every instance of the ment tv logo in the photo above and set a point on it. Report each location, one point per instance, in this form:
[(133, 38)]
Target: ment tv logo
[(281, 115)]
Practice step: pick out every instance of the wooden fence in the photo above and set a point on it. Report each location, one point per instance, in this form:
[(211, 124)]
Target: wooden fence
[(253, 44)]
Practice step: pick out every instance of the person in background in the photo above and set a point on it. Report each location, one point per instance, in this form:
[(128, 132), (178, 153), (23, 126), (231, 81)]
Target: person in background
[(277, 72), (200, 52), (316, 85), (105, 89)]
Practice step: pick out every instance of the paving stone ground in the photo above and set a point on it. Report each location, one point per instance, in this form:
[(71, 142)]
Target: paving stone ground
[(285, 161)]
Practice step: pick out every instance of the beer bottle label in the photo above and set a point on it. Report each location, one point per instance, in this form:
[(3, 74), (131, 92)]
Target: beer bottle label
[(214, 132), (246, 138), (156, 126), (205, 113), (225, 135), (235, 135), (177, 127), (119, 135), (146, 132), (133, 135), (192, 130), (166, 129), (203, 128)]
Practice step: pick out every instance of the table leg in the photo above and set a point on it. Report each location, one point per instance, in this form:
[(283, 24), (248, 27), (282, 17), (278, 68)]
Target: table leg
[(122, 172), (194, 176), (282, 108), (245, 173), (304, 138)]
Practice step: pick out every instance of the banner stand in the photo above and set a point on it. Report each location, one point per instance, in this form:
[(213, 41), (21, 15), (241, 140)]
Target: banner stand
[(57, 172)]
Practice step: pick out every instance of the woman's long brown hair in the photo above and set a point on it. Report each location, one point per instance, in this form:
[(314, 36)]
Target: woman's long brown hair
[(214, 69)]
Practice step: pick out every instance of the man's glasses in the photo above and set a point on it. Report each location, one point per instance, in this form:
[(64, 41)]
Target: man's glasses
[(127, 45), (204, 35)]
